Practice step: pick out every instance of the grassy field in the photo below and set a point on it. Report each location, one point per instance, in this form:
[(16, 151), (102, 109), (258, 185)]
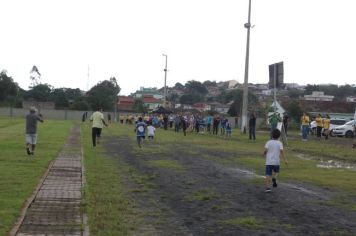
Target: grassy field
[(111, 212), (20, 173), (108, 205)]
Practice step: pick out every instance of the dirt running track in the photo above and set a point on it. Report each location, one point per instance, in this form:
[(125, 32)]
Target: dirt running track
[(203, 198)]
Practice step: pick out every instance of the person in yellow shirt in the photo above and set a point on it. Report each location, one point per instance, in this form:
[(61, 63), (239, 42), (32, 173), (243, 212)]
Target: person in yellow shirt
[(305, 126), (319, 125), (98, 123), (326, 124)]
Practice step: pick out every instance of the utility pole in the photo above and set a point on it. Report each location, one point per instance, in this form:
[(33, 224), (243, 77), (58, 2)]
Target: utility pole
[(245, 91), (165, 83)]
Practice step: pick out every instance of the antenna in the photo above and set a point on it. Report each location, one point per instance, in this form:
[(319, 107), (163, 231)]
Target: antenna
[(88, 79)]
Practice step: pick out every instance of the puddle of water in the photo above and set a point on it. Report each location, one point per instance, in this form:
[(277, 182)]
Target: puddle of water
[(331, 164), (304, 157)]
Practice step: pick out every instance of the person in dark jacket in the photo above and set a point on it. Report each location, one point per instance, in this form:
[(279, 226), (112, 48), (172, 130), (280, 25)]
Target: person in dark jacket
[(31, 130), (252, 126)]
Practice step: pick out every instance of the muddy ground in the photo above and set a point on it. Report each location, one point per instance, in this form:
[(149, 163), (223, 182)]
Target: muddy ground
[(208, 198)]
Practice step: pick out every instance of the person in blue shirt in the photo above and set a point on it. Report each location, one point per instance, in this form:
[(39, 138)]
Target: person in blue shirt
[(223, 125), (228, 129), (140, 131), (209, 120)]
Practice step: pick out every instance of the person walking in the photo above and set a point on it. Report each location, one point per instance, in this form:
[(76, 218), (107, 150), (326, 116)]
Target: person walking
[(140, 131), (228, 129), (252, 126), (150, 131), (319, 125), (209, 120), (183, 121), (285, 123), (273, 121), (326, 125), (216, 122), (273, 151), (31, 130), (98, 123), (305, 126)]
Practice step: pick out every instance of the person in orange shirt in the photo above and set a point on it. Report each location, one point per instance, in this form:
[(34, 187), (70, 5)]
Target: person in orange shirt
[(305, 126), (319, 125), (326, 124)]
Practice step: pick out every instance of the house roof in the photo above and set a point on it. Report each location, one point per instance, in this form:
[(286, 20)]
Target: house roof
[(151, 100), (125, 99)]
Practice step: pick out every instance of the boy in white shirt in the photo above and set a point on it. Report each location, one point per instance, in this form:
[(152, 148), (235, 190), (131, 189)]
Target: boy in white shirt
[(273, 149), (151, 131)]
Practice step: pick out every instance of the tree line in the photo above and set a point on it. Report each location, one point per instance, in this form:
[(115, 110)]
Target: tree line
[(103, 94)]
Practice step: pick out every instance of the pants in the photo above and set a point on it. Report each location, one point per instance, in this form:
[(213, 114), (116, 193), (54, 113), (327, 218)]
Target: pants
[(208, 127), (318, 131), (215, 129), (252, 132), (305, 131), (95, 132)]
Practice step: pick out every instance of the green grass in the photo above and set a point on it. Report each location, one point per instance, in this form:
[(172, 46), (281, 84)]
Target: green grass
[(167, 164), (20, 173), (201, 195), (249, 222), (108, 208)]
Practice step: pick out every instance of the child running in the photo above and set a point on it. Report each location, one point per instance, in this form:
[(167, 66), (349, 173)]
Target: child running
[(140, 131), (273, 150), (228, 130), (150, 131)]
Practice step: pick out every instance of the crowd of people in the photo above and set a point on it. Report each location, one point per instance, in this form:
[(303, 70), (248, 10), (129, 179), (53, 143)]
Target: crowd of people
[(212, 124)]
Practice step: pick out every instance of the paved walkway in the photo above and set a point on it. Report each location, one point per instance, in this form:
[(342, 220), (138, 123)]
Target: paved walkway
[(55, 209)]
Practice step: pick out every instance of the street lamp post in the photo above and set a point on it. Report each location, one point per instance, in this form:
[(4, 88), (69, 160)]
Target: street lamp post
[(165, 83), (245, 91)]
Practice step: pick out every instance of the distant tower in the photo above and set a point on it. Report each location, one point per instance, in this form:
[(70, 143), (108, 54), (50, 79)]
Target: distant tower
[(88, 79)]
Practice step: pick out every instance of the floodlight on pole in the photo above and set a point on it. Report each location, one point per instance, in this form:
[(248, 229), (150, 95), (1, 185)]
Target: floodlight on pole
[(165, 83), (245, 90)]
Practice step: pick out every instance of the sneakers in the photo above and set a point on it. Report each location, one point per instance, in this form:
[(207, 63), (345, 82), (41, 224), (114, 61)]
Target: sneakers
[(268, 190), (28, 151), (274, 181)]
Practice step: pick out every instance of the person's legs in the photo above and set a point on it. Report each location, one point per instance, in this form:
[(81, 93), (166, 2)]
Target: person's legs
[(275, 171), (93, 136), (250, 132), (268, 179), (254, 133), (304, 132), (318, 131)]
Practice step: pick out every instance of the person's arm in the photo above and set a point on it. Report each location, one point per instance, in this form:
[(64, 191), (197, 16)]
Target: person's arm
[(40, 118), (284, 157), (265, 152), (104, 122)]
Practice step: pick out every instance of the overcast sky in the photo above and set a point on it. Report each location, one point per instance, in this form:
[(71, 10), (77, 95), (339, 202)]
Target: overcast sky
[(204, 40)]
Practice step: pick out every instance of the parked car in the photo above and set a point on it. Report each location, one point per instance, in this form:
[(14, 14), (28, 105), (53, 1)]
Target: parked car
[(333, 124), (346, 130)]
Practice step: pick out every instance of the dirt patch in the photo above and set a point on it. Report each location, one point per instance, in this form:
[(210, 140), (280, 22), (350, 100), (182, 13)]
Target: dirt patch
[(207, 198)]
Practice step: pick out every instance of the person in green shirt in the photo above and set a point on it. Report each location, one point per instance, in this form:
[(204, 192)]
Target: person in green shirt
[(98, 123), (273, 121)]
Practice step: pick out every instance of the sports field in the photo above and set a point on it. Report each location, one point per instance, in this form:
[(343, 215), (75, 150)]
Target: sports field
[(199, 184)]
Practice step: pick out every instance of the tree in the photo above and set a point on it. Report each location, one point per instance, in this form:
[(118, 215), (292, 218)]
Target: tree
[(104, 94), (58, 96), (191, 98), (40, 92), (80, 104), (294, 111), (35, 76), (139, 106), (8, 88), (193, 86), (179, 86), (236, 106), (209, 83)]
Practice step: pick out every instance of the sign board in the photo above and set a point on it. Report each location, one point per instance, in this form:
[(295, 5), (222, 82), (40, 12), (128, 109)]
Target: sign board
[(276, 71)]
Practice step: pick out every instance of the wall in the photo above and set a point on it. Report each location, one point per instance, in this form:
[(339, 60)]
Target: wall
[(48, 114)]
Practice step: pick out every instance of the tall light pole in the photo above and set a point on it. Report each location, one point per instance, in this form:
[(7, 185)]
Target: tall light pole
[(245, 91), (165, 83)]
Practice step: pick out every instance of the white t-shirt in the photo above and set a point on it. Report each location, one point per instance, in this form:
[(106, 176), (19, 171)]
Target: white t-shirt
[(274, 148), (151, 130)]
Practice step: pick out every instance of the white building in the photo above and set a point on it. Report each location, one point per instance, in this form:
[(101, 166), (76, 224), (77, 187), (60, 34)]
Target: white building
[(351, 99), (318, 96)]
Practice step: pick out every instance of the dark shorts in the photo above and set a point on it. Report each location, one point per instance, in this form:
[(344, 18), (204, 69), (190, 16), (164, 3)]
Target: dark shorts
[(151, 137), (96, 131), (270, 168), (139, 138)]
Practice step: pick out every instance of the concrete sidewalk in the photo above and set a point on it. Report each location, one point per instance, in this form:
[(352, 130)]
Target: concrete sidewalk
[(55, 208)]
